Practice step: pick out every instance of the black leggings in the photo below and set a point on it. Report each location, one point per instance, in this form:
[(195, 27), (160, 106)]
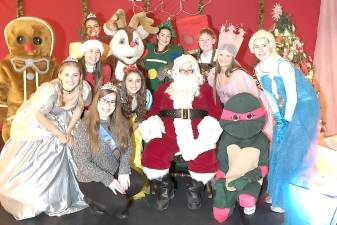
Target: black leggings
[(103, 197)]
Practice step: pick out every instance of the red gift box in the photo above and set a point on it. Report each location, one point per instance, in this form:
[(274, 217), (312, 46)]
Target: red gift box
[(188, 29)]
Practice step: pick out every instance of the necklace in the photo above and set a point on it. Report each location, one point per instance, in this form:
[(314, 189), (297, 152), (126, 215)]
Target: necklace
[(69, 91)]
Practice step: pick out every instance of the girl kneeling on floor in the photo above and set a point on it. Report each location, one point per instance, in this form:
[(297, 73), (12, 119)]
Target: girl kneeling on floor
[(102, 154)]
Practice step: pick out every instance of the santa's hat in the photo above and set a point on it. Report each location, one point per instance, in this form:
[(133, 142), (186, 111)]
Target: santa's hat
[(230, 39), (92, 43)]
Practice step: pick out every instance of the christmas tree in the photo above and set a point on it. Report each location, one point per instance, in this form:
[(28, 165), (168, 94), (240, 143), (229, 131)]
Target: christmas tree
[(288, 44)]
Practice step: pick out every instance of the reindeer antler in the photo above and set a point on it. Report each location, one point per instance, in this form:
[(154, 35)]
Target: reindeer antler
[(144, 21), (116, 22)]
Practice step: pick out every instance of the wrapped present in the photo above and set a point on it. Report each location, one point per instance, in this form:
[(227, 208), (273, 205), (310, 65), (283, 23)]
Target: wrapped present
[(188, 31)]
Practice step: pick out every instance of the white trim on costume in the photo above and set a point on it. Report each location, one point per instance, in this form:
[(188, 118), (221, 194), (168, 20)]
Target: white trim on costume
[(202, 177), (152, 174), (156, 60)]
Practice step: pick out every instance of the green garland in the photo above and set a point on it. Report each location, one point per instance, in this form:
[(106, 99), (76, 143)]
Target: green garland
[(146, 5), (84, 10), (200, 7), (19, 8), (261, 13)]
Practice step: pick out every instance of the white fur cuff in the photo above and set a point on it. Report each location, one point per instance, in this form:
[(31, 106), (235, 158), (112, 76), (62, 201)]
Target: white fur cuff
[(152, 128), (202, 177), (152, 174)]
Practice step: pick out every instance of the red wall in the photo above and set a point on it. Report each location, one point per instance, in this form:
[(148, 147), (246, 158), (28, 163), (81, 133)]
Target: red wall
[(65, 18)]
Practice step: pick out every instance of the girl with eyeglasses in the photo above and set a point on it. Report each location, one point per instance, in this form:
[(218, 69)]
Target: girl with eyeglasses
[(102, 154)]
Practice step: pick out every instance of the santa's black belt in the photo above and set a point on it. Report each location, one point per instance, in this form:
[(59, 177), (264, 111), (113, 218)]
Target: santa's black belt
[(183, 113)]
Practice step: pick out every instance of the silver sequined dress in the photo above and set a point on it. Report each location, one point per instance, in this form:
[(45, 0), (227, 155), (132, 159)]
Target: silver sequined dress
[(37, 172)]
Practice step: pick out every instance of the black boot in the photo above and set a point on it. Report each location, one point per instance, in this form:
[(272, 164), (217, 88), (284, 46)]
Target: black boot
[(164, 192), (194, 194), (154, 184)]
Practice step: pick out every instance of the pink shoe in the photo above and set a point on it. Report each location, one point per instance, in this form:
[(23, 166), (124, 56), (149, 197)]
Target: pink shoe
[(221, 214)]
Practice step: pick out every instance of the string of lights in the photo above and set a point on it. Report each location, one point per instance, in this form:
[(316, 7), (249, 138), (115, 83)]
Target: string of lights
[(161, 8)]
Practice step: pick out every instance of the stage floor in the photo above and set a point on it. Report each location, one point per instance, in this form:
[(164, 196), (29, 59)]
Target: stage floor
[(142, 213)]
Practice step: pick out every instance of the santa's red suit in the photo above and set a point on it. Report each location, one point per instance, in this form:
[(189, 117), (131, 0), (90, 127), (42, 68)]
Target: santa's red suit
[(195, 138)]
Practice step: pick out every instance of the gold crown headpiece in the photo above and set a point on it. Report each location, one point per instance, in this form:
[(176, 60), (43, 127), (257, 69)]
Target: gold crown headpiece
[(230, 38)]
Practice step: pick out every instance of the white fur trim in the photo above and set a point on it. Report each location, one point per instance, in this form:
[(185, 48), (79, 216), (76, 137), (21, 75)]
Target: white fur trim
[(142, 33), (152, 128), (185, 139), (90, 44), (179, 61), (109, 32), (119, 73), (152, 174), (202, 177)]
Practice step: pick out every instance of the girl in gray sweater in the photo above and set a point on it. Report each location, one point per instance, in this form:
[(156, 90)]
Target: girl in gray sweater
[(102, 153)]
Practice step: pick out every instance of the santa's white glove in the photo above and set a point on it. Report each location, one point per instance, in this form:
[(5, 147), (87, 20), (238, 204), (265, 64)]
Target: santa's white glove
[(152, 128), (209, 132)]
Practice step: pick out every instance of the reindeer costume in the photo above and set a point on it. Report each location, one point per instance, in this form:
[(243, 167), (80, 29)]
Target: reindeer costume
[(127, 45)]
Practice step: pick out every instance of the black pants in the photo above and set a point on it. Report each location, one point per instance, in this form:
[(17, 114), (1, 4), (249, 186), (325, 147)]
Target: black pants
[(103, 197)]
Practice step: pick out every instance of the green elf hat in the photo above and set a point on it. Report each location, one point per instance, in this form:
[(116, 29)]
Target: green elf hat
[(243, 116), (168, 25)]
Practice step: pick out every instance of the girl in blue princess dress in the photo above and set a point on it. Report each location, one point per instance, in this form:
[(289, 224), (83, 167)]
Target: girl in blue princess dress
[(296, 113)]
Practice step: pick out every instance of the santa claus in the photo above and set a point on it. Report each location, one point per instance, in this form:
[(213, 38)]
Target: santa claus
[(183, 120)]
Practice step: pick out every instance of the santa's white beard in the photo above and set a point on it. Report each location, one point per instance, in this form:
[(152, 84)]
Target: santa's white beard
[(183, 90)]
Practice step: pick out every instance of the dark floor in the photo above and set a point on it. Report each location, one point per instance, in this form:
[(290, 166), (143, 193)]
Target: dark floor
[(141, 213)]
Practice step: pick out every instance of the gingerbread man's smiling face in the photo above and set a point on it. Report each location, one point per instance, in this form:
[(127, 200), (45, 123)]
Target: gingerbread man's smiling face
[(29, 37)]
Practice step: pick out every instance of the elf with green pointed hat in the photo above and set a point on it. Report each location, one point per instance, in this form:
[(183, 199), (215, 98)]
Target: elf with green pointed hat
[(242, 156), (160, 55)]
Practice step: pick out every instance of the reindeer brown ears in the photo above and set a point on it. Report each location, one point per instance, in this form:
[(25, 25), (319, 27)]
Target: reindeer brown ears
[(117, 21)]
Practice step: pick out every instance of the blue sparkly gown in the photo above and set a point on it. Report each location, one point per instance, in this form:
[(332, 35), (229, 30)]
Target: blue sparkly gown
[(287, 156)]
